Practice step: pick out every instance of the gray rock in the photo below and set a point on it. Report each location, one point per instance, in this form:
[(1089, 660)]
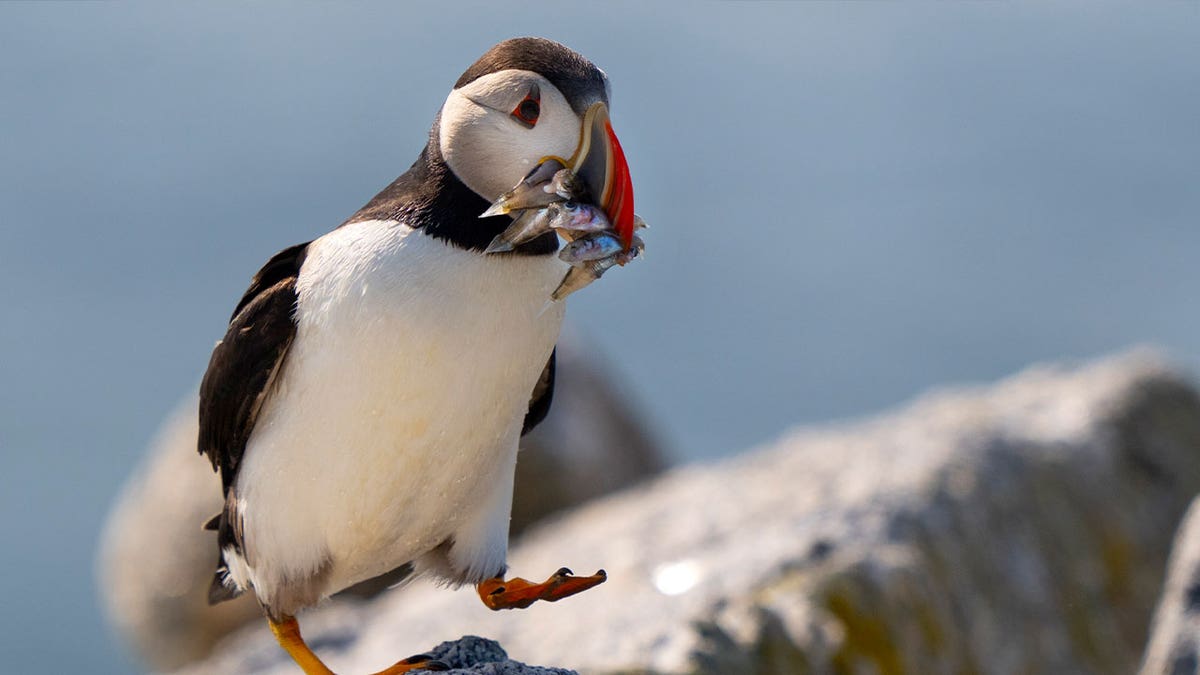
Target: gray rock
[(1019, 528), (155, 563), (468, 655), (471, 654), (1175, 634)]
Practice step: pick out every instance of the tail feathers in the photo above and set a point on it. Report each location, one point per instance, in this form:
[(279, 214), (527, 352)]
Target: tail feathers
[(229, 542), (222, 587)]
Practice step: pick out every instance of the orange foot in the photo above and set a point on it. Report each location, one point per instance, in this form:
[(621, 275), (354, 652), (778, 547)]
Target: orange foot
[(519, 593)]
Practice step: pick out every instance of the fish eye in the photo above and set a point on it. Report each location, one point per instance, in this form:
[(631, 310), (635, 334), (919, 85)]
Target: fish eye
[(529, 109)]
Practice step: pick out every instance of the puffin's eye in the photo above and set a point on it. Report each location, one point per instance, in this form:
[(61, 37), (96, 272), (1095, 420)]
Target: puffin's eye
[(528, 110)]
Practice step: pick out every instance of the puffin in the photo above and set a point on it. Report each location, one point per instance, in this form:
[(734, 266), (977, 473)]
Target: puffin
[(365, 404)]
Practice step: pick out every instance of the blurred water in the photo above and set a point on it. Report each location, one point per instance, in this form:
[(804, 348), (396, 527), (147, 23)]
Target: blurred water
[(850, 203)]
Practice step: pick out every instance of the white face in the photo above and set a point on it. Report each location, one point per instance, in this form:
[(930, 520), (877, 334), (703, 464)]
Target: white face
[(485, 141)]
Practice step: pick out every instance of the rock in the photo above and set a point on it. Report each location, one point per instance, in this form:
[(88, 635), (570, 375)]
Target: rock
[(1022, 527), (472, 654), (468, 655), (155, 563), (1174, 646)]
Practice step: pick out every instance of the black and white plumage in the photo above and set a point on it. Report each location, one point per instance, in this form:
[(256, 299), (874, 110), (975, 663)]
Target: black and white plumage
[(365, 404)]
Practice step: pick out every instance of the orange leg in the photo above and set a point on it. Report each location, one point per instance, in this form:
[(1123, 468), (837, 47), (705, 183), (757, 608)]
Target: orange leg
[(518, 593), (287, 632)]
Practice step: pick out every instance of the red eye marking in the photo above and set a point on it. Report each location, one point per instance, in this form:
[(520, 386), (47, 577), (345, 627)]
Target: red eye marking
[(528, 110)]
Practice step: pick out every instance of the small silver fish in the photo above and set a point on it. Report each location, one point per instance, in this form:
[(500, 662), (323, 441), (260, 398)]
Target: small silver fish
[(526, 227), (569, 217), (567, 185), (582, 274), (592, 246), (547, 182), (636, 248), (578, 217), (577, 278)]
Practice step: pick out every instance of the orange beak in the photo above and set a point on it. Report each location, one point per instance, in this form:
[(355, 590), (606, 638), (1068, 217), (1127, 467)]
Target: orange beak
[(600, 163)]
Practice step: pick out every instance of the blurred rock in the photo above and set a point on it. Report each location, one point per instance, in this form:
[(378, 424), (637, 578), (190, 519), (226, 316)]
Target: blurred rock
[(1020, 528), (592, 443), (155, 563), (1174, 647)]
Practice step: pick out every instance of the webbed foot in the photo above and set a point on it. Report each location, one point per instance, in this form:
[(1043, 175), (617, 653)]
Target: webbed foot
[(518, 593)]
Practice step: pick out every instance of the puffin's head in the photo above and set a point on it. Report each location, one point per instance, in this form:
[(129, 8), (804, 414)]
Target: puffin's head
[(523, 101)]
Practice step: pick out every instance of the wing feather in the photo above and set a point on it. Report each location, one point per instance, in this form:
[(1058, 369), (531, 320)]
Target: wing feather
[(241, 374), (542, 396), (247, 361)]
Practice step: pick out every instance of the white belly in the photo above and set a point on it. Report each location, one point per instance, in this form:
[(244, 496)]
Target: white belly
[(395, 423)]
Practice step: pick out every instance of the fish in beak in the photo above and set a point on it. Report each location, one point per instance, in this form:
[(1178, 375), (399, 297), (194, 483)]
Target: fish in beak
[(548, 182), (596, 172)]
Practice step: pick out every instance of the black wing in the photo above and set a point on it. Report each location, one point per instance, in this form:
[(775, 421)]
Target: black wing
[(245, 363), (543, 394), (241, 372)]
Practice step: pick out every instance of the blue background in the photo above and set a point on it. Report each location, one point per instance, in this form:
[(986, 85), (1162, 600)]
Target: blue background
[(850, 203)]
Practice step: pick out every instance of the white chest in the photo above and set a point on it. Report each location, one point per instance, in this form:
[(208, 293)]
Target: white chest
[(400, 404)]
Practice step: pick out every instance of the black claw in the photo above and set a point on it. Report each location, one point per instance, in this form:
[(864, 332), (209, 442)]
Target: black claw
[(563, 572), (419, 658), (602, 574), (436, 665)]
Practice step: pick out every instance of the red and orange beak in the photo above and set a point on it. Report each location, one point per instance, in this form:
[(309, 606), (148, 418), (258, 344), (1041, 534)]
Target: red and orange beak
[(600, 163)]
